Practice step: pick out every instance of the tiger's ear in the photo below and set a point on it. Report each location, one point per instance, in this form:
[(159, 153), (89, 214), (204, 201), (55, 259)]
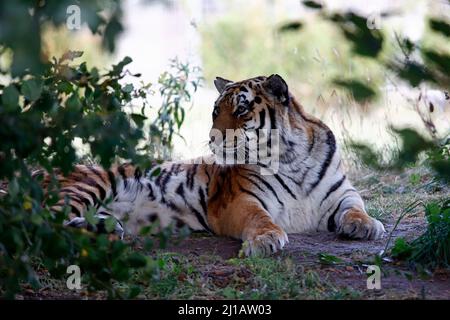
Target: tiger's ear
[(220, 83), (276, 86)]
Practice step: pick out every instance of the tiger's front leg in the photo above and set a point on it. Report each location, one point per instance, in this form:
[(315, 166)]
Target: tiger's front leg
[(99, 227), (355, 223), (248, 221)]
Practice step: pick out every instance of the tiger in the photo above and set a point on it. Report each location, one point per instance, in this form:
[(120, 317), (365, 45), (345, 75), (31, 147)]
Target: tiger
[(308, 192)]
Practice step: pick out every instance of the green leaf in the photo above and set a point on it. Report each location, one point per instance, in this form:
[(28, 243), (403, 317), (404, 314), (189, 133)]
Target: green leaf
[(110, 224), (37, 219), (117, 69), (74, 102), (90, 218), (326, 258), (312, 4), (156, 172), (359, 91), (401, 249), (291, 26), (134, 292), (365, 42), (136, 260), (367, 155), (440, 26), (65, 86), (440, 60), (10, 97), (414, 179), (32, 89), (138, 119), (413, 72), (127, 88), (412, 145)]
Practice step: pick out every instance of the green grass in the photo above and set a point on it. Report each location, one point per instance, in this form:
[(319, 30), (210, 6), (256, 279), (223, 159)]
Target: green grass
[(432, 248), (210, 277)]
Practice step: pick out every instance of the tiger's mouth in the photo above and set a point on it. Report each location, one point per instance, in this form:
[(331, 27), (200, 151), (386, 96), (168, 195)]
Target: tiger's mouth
[(230, 152)]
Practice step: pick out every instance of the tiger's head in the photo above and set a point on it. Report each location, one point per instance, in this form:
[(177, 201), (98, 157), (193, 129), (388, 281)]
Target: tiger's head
[(247, 111)]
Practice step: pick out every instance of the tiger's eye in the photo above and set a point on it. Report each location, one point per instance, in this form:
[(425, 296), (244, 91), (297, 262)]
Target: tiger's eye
[(240, 109)]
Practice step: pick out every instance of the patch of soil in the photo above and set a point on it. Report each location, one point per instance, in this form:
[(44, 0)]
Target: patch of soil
[(397, 281)]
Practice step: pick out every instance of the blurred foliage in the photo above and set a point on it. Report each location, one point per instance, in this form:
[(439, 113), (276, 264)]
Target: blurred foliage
[(42, 114), (44, 106), (437, 154), (21, 27), (414, 64), (432, 248), (309, 60), (365, 41), (357, 89)]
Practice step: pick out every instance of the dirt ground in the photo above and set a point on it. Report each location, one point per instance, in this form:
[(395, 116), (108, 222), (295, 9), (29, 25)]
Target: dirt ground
[(397, 280)]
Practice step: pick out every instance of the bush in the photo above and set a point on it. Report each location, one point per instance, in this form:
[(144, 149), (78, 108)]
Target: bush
[(41, 117), (432, 248)]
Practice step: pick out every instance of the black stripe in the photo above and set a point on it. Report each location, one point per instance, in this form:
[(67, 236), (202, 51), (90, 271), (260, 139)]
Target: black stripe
[(121, 170), (170, 205), (112, 181), (72, 194), (273, 124), (180, 191), (253, 195), (252, 182), (201, 193), (299, 183), (268, 186), (151, 217), (333, 188), (164, 181), (311, 144), (74, 209), (331, 225), (92, 183), (331, 141), (97, 173), (207, 174), (200, 219), (190, 176), (304, 175), (262, 118), (285, 186), (92, 194), (151, 194), (331, 222), (75, 198), (137, 173)]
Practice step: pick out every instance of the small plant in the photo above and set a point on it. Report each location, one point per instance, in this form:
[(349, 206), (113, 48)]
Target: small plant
[(329, 259), (176, 89), (432, 248)]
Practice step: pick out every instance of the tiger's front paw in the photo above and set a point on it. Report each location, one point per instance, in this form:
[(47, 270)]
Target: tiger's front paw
[(265, 244), (356, 224)]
